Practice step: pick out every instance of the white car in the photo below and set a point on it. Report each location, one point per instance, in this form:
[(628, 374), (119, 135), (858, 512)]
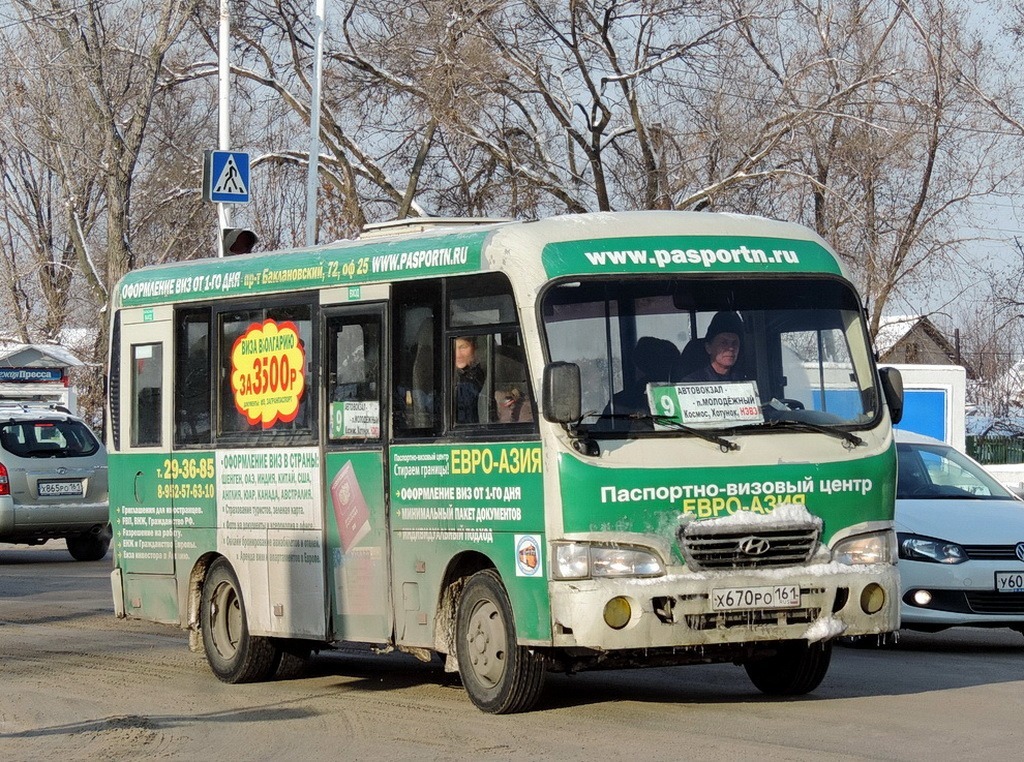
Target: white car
[(960, 535)]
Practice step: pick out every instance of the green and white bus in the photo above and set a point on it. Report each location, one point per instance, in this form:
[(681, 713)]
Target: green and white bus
[(296, 461)]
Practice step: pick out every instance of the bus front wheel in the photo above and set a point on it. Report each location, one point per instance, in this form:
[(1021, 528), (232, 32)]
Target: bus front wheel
[(797, 667), (233, 654), (499, 676)]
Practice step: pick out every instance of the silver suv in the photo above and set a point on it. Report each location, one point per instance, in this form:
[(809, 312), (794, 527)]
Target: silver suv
[(53, 480)]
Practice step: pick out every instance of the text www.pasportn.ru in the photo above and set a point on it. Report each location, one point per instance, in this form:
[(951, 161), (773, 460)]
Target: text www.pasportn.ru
[(705, 257)]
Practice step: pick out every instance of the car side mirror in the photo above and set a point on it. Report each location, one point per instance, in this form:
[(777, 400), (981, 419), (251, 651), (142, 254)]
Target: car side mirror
[(561, 392), (892, 388)]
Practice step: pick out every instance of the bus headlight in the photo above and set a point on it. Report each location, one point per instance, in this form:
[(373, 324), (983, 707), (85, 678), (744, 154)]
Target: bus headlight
[(871, 548), (581, 560)]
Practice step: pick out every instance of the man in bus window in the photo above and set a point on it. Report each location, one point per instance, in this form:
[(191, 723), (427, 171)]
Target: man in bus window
[(722, 344)]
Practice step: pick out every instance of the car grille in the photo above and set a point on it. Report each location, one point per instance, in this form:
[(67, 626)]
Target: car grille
[(992, 552), (748, 546), (996, 603)]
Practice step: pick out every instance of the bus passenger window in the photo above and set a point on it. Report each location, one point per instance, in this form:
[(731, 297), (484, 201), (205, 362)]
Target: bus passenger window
[(511, 387), (417, 377), (192, 419), (147, 388), (489, 382)]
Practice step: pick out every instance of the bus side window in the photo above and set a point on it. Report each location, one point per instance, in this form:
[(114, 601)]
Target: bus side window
[(417, 370), (192, 381), (511, 387), (147, 388)]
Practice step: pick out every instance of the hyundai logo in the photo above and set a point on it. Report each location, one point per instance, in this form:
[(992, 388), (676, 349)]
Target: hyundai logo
[(1020, 550), (758, 546)]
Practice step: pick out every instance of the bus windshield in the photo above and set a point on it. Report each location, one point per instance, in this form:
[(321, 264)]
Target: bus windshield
[(671, 355)]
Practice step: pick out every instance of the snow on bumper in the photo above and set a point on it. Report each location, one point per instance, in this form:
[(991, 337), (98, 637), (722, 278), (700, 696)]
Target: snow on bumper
[(676, 610)]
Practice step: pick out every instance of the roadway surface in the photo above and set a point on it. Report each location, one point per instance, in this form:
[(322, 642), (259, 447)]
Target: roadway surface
[(79, 684)]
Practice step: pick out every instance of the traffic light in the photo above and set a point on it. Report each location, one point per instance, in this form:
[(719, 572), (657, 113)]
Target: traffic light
[(239, 241)]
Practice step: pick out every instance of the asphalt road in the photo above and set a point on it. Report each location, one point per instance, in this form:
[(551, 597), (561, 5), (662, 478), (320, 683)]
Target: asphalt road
[(78, 683)]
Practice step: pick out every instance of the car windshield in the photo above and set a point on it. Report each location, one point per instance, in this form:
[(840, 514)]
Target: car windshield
[(937, 471), (675, 355), (47, 439)]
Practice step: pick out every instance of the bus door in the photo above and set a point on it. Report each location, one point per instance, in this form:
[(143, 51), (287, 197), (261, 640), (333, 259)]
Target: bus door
[(356, 520), (141, 471)]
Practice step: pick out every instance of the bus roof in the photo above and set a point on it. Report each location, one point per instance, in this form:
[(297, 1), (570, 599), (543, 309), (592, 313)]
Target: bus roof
[(603, 243)]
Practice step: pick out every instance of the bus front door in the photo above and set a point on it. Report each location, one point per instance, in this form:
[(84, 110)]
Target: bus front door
[(142, 473)]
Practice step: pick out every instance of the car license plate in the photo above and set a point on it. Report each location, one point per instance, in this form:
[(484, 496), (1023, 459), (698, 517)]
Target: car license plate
[(1010, 582), (59, 489), (768, 597)]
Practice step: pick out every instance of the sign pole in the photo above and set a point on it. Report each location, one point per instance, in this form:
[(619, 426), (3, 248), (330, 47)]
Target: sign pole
[(224, 210), (314, 124)]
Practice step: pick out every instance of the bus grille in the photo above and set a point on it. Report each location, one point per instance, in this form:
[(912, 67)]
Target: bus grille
[(723, 619), (748, 547)]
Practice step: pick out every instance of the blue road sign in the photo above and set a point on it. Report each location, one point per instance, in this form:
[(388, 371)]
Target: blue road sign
[(226, 177)]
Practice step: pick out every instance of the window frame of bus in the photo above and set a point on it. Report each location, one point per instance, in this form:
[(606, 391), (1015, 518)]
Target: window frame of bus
[(150, 412), (219, 355), (467, 299), (184, 400), (439, 298)]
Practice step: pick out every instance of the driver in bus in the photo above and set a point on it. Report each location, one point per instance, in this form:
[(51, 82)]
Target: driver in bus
[(722, 343)]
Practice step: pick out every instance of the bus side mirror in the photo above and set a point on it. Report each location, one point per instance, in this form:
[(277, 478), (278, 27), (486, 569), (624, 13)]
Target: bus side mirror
[(561, 396), (892, 388)]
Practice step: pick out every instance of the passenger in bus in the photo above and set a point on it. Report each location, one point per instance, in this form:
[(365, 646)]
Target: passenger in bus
[(469, 380), (722, 344)]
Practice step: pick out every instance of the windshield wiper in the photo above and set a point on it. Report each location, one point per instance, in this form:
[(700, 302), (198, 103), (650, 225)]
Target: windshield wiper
[(789, 423), (668, 422)]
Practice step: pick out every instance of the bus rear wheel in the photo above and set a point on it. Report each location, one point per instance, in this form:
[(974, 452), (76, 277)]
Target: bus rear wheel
[(499, 676), (797, 667), (232, 653)]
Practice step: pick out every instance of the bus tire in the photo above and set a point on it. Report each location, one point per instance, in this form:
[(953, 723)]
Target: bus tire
[(292, 658), (233, 654), (499, 676), (796, 668)]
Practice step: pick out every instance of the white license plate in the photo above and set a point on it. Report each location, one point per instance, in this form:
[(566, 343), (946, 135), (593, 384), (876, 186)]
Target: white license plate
[(52, 489), (1010, 582), (768, 597)]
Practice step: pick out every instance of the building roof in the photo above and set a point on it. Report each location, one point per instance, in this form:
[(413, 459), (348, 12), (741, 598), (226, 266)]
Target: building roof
[(895, 328), (18, 355)]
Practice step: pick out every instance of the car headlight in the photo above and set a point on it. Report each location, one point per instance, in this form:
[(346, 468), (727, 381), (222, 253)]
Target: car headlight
[(581, 560), (870, 548), (916, 548)]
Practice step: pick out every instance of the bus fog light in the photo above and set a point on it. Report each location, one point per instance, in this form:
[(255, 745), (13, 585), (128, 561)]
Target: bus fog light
[(617, 612), (872, 598), (922, 597)]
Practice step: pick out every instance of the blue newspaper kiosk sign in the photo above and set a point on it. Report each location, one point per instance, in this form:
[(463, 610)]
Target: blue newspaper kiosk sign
[(226, 177)]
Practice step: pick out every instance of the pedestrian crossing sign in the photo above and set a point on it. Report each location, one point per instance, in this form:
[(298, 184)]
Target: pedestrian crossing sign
[(226, 177)]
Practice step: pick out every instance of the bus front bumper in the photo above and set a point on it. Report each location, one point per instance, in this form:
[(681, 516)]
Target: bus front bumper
[(812, 603)]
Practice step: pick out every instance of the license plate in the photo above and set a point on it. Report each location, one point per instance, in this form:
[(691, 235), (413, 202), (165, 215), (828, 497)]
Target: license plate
[(1010, 582), (768, 597), (57, 489)]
